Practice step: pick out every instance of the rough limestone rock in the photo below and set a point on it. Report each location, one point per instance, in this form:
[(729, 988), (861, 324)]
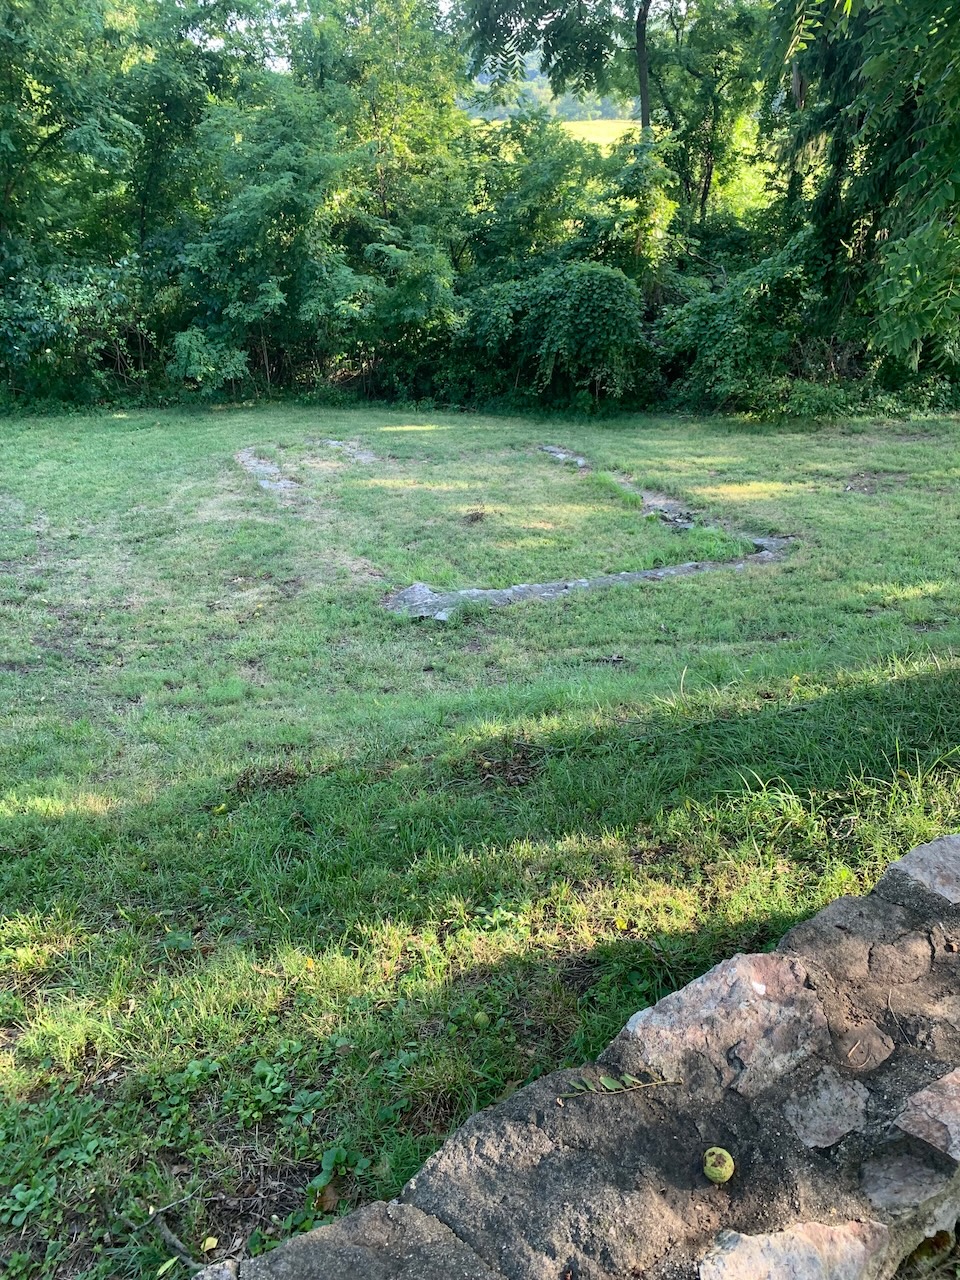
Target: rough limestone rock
[(830, 1070), (811, 1251), (747, 1021), (379, 1242), (934, 866), (933, 1115), (421, 601), (901, 1184), (828, 1110)]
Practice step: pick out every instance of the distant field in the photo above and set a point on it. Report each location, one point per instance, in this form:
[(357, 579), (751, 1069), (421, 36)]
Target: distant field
[(602, 132), (290, 885)]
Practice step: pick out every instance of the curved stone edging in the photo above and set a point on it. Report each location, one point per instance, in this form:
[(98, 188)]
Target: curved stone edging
[(828, 1068), (421, 601)]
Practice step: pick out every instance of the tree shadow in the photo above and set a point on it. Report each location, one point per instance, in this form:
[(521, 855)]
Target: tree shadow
[(253, 970)]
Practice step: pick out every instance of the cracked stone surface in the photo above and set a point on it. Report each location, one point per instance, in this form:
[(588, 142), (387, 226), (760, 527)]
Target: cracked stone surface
[(900, 1184), (828, 1110), (847, 1158), (810, 1251), (744, 1022), (934, 866), (378, 1242), (933, 1115)]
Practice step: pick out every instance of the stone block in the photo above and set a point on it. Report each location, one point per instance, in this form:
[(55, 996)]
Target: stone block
[(933, 1115), (898, 1183), (828, 1110), (934, 867), (378, 1242), (808, 1251), (742, 1026)]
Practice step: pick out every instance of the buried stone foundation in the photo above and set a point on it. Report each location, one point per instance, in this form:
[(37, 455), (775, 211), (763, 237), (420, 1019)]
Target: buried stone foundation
[(828, 1069)]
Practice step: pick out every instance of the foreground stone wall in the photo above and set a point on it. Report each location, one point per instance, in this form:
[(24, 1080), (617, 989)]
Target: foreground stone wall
[(828, 1069)]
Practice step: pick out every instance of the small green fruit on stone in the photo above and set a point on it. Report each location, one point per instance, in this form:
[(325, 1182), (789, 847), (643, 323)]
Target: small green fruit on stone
[(718, 1165), (481, 1020)]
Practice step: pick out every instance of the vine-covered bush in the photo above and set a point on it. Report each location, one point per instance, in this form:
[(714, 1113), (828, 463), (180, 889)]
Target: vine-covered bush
[(574, 333)]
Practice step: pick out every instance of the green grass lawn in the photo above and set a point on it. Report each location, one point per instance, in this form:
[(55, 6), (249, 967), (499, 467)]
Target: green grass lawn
[(291, 885)]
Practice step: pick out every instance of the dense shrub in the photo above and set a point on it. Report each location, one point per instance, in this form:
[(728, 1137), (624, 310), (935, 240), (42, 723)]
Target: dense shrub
[(571, 334), (732, 349)]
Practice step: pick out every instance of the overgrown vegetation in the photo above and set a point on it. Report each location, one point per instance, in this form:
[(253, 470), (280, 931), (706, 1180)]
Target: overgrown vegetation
[(244, 197), (291, 885)]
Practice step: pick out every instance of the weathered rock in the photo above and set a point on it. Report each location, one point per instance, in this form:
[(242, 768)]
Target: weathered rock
[(827, 1111), (564, 455), (534, 1205), (421, 601), (741, 1026), (933, 1115), (898, 1183), (809, 1251), (266, 473), (228, 1270), (863, 1047), (767, 1054), (934, 867), (846, 934), (355, 452), (378, 1242)]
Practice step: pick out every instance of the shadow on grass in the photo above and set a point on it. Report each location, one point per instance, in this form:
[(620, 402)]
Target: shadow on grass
[(204, 996)]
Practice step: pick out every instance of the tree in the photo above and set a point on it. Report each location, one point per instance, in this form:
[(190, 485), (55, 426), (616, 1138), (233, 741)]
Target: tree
[(577, 43), (868, 98), (58, 63), (705, 65)]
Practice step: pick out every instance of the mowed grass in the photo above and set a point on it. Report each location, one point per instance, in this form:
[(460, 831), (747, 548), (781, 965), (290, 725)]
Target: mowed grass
[(291, 885)]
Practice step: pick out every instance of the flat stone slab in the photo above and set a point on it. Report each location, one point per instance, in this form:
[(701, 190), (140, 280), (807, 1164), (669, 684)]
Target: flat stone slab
[(564, 455), (378, 1242), (266, 473), (810, 1251), (350, 449), (933, 1115), (421, 601), (899, 1183), (744, 1024), (827, 1111), (934, 867)]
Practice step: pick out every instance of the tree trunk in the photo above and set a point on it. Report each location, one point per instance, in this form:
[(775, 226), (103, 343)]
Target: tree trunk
[(643, 64), (705, 186)]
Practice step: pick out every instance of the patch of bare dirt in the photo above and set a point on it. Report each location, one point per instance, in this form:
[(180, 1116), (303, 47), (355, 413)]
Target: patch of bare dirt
[(580, 971), (871, 482), (350, 449), (516, 767), (274, 777)]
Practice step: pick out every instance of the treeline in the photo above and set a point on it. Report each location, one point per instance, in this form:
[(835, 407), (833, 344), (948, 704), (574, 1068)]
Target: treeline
[(237, 197)]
